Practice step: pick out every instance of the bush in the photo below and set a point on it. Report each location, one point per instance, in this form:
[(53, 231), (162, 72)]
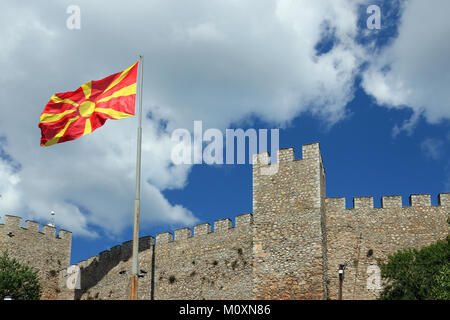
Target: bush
[(441, 290), (413, 274), (18, 281)]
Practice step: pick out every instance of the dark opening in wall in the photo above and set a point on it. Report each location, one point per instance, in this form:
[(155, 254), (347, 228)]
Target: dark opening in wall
[(370, 253)]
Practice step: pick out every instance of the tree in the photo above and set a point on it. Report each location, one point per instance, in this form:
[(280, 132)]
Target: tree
[(18, 281), (413, 274), (442, 289)]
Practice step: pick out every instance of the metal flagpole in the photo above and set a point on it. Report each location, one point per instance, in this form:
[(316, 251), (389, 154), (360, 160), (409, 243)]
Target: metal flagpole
[(135, 262)]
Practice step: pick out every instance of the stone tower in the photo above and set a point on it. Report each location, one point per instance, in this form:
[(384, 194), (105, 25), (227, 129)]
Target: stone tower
[(289, 241), (291, 247), (43, 250)]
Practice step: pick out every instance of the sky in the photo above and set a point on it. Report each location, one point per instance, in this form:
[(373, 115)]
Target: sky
[(376, 99)]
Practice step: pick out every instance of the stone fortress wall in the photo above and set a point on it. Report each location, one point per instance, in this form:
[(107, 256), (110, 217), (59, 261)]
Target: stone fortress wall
[(321, 233), (43, 250), (206, 265), (290, 247), (363, 236)]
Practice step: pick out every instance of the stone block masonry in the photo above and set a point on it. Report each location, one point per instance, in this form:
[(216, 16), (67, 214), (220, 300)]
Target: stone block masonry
[(208, 264), (290, 247), (288, 257), (363, 236), (46, 251)]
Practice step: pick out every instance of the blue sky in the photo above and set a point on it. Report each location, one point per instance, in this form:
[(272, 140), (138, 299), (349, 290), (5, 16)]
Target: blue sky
[(376, 100)]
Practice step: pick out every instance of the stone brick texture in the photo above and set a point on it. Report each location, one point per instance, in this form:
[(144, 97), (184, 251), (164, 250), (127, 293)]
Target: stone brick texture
[(42, 250), (290, 247), (363, 236), (287, 231)]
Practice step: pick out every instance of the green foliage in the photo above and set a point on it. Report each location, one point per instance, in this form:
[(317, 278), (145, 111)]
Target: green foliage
[(441, 291), (423, 274), (18, 281)]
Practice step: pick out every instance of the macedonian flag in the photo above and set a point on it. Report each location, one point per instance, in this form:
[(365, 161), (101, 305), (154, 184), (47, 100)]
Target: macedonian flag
[(70, 115)]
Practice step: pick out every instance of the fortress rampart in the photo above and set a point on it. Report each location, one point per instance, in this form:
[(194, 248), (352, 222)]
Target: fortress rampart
[(363, 236), (208, 264), (290, 247), (44, 250)]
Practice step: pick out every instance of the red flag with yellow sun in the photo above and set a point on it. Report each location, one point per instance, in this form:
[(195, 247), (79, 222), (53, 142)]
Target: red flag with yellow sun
[(70, 115)]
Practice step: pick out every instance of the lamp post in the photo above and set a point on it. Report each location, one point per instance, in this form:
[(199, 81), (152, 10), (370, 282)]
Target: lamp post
[(341, 280)]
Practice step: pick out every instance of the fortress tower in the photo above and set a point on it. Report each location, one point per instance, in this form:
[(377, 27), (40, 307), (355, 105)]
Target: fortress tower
[(43, 250), (289, 236), (291, 247), (301, 238)]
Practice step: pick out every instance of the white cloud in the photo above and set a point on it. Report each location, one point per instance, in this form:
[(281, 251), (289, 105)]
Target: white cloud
[(212, 61), (216, 62), (202, 32), (95, 173), (9, 189), (432, 148), (257, 58), (414, 70), (408, 125)]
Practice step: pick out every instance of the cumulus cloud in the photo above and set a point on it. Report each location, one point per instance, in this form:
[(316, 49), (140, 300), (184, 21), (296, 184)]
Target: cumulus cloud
[(9, 189), (413, 71), (432, 148), (218, 62), (213, 61)]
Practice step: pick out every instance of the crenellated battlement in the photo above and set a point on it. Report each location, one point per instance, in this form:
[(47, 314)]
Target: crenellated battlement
[(14, 223), (290, 247), (46, 250), (444, 199), (287, 155), (423, 200), (387, 202), (391, 201), (242, 224), (117, 253), (362, 202)]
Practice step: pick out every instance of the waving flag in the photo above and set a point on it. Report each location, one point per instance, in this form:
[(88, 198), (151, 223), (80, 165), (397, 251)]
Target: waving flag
[(70, 115)]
